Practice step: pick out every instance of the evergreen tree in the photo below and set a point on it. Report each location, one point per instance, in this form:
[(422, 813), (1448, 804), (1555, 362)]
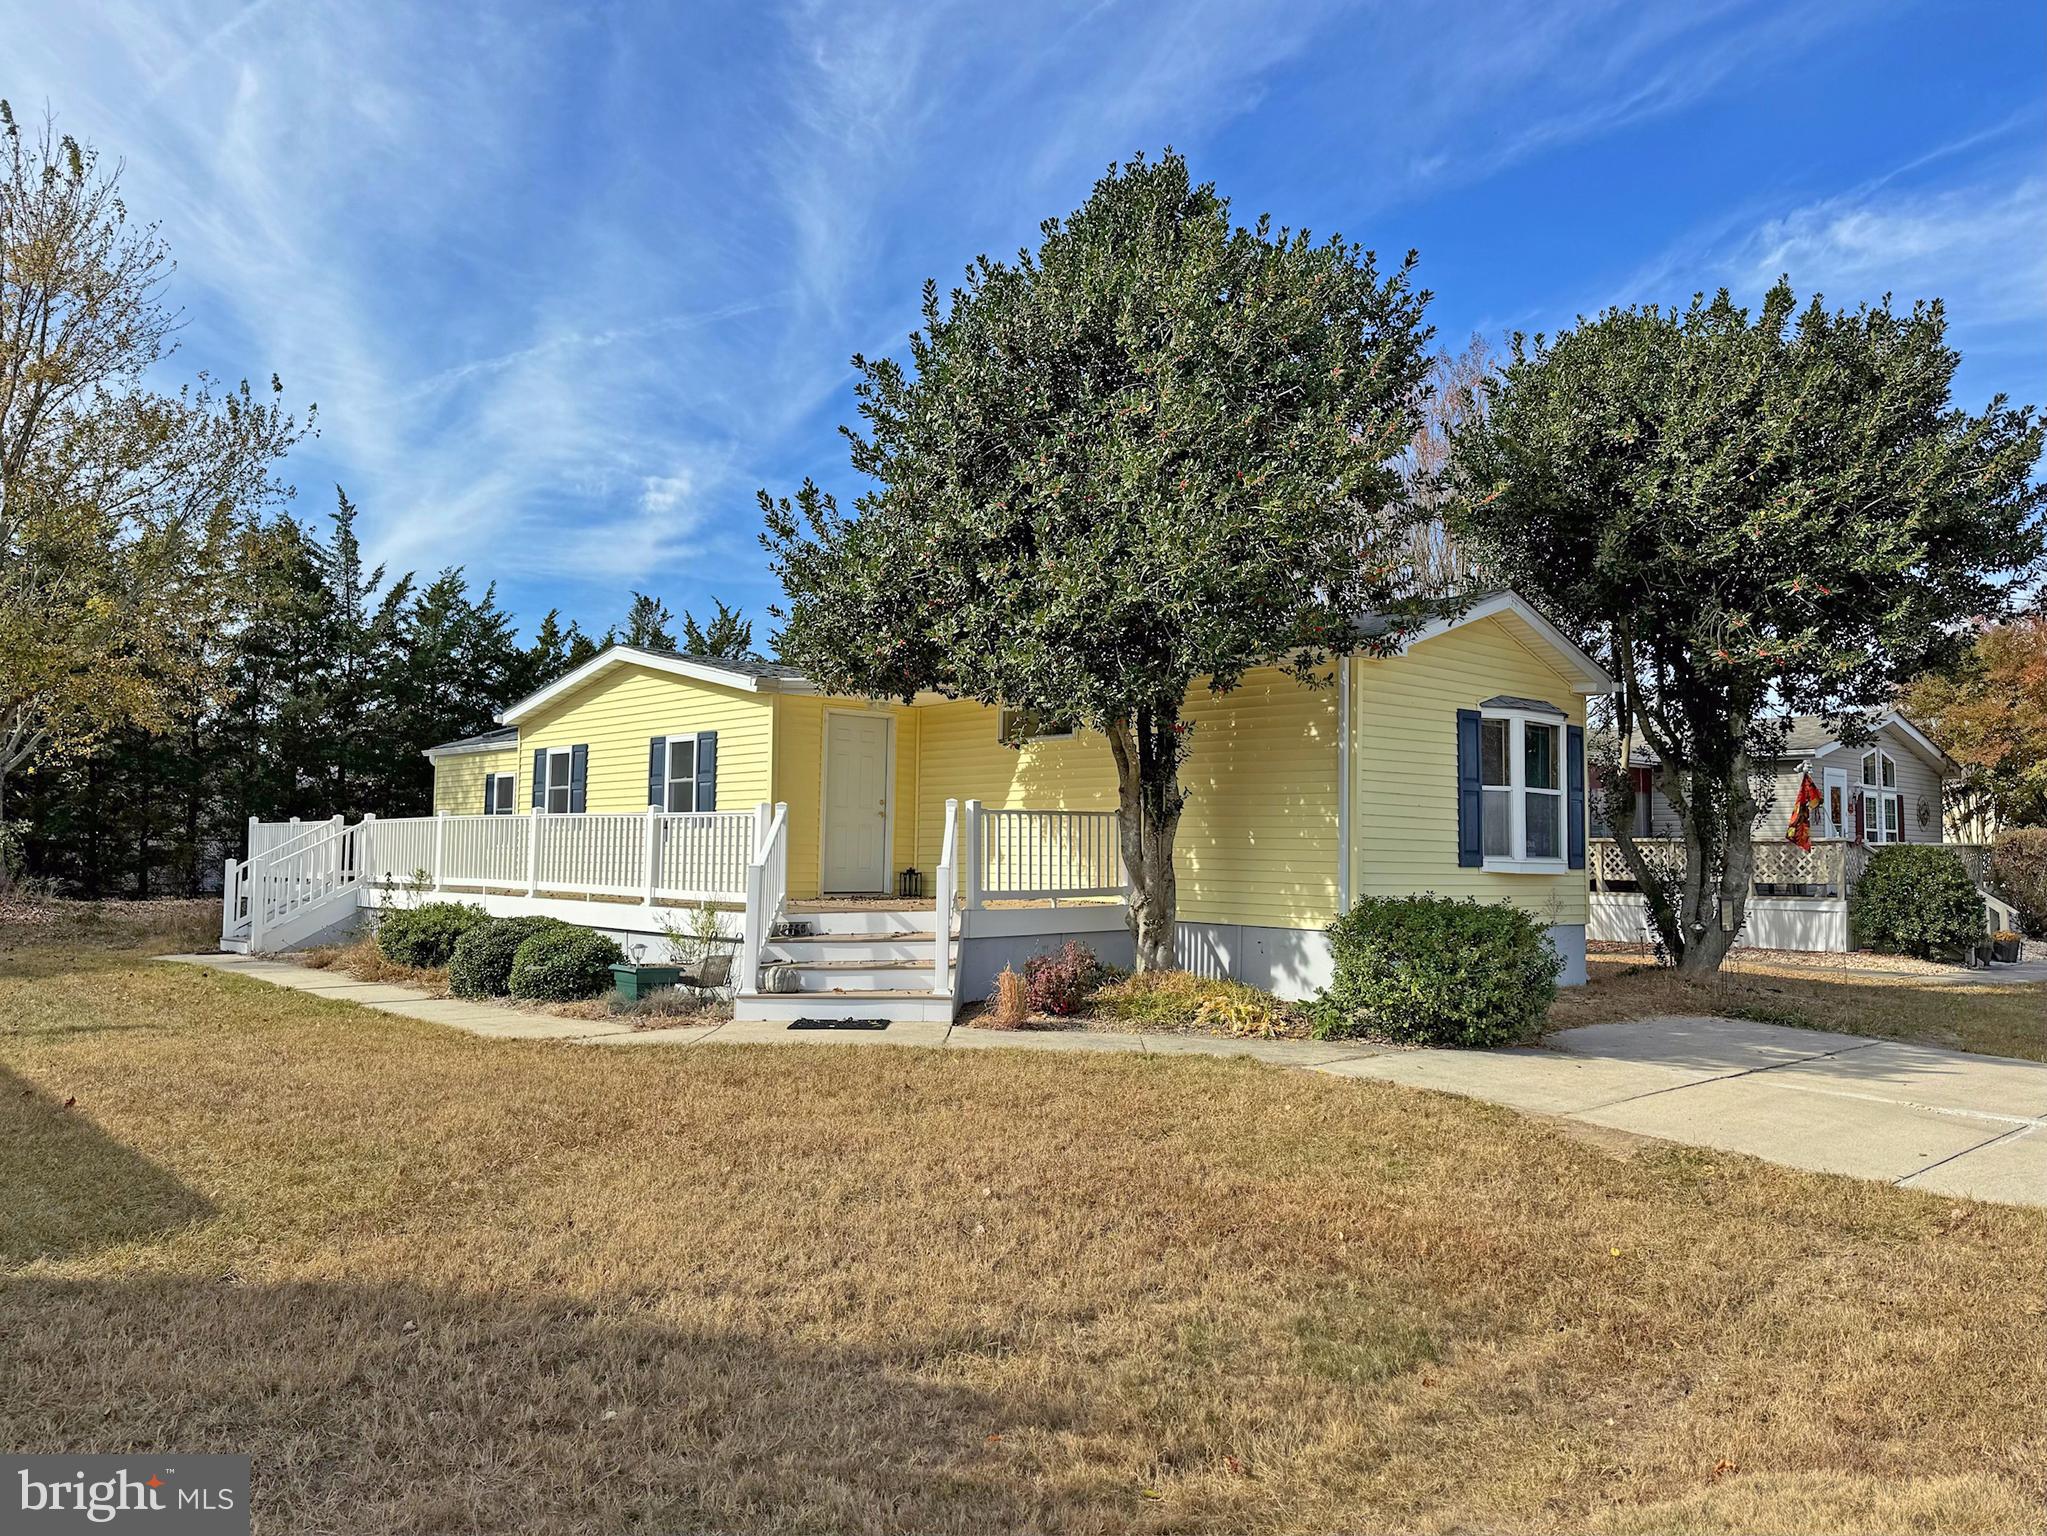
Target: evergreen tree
[(728, 637), (646, 625)]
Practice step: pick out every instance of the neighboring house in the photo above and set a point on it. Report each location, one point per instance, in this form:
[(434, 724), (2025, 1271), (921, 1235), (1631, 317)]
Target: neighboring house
[(1454, 767), (1889, 788), (1885, 790)]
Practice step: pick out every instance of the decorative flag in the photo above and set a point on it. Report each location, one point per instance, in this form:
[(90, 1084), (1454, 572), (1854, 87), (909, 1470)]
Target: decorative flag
[(1800, 830)]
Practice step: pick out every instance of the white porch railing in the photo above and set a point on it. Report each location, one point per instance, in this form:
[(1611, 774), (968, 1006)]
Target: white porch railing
[(650, 855), (264, 836), (767, 890), (311, 869), (1042, 855), (1829, 868), (941, 925)]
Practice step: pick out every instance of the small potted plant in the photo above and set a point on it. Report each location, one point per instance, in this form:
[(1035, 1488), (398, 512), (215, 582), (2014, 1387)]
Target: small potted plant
[(2004, 946)]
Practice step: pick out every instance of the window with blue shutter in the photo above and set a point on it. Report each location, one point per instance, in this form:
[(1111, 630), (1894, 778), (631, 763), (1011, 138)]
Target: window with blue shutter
[(1574, 785), (579, 773), (682, 772), (1470, 793), (707, 770), (540, 778), (657, 773)]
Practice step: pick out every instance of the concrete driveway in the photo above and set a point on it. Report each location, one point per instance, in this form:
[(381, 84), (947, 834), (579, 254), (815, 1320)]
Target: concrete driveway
[(1944, 1121)]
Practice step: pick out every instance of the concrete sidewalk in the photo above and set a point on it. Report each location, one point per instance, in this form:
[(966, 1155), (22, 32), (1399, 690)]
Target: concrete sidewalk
[(1943, 1121)]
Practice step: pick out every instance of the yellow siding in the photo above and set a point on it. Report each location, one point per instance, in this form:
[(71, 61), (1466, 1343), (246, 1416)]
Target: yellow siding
[(458, 780), (1258, 840), (962, 758), (1404, 800), (616, 712), (799, 783), (1257, 843)]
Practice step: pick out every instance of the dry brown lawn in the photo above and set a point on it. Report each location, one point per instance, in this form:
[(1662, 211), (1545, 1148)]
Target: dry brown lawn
[(433, 1283), (1998, 1019)]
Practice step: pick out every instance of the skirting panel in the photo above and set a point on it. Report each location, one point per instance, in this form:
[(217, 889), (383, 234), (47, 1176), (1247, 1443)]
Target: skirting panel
[(1815, 923)]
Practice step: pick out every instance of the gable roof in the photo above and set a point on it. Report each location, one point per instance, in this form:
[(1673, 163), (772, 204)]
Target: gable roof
[(1810, 736), (1521, 615), (1891, 718), (483, 741), (747, 676), (772, 677)]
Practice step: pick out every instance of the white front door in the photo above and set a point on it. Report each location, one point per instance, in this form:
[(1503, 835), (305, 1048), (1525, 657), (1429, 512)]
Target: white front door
[(1834, 820), (856, 803)]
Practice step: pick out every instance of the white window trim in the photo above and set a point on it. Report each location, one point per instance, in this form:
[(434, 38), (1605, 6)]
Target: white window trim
[(566, 756), (1518, 721), (1002, 733), (1876, 796), (491, 781), (668, 770)]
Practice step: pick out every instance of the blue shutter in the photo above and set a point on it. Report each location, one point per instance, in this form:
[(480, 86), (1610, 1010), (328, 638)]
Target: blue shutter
[(490, 792), (1470, 793), (707, 770), (579, 773), (540, 778), (1574, 792), (657, 772)]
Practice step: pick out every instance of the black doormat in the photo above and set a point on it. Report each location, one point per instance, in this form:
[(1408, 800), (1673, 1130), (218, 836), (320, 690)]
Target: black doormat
[(838, 1023)]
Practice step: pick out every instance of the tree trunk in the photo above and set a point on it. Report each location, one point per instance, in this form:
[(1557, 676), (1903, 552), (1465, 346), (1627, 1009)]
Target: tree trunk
[(1148, 749), (1721, 884), (1717, 814)]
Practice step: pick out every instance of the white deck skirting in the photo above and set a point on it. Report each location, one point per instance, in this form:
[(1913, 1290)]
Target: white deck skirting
[(1818, 923)]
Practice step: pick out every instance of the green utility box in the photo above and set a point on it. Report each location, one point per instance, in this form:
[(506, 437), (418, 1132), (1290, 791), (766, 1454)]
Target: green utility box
[(637, 981)]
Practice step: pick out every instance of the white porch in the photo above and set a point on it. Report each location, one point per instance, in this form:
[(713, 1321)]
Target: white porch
[(1798, 897), (1049, 871)]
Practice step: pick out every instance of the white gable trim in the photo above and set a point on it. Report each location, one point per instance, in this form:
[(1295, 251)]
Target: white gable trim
[(463, 749), (654, 661), (1904, 728), (1591, 676)]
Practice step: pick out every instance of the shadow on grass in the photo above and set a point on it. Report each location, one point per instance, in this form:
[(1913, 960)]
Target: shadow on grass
[(71, 1189), (396, 1407)]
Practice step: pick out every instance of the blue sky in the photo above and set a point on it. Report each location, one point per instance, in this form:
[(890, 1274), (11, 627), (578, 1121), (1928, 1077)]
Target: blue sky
[(570, 285)]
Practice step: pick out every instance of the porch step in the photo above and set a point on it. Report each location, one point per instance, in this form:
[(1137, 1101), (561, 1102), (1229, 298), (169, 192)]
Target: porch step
[(823, 919), (897, 1006), (849, 948), (862, 975)]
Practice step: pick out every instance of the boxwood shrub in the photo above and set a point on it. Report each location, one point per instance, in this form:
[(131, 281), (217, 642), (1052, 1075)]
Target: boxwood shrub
[(561, 966), (1432, 971), (426, 936), (1916, 899), (482, 963)]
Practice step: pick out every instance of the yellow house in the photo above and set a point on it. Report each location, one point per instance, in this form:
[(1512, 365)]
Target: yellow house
[(1454, 767)]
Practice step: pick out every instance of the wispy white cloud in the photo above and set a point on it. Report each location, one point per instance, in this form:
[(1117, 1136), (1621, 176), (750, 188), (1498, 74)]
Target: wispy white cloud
[(568, 285), (1982, 249)]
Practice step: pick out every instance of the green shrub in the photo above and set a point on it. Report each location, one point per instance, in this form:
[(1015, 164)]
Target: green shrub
[(1916, 899), (2018, 873), (561, 966), (1433, 971), (481, 965), (425, 937)]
